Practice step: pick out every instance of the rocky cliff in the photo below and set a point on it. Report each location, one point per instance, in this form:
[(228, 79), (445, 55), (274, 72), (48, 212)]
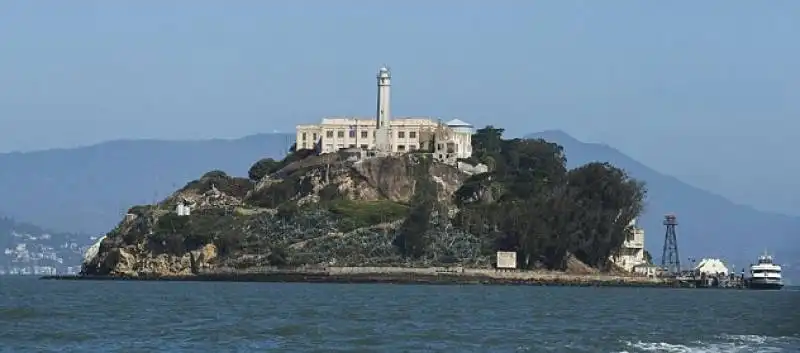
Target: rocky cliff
[(316, 210), (409, 210)]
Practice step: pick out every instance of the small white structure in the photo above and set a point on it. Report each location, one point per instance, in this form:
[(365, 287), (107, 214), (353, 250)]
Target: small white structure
[(648, 270), (711, 267), (183, 209), (631, 253), (506, 259)]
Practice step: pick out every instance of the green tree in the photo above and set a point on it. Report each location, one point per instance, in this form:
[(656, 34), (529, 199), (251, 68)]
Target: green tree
[(531, 204), (606, 201), (411, 238), (215, 174), (169, 232), (262, 168), (487, 141)]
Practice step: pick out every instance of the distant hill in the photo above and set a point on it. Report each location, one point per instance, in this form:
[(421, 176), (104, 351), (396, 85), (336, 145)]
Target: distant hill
[(28, 249), (709, 224), (87, 189)]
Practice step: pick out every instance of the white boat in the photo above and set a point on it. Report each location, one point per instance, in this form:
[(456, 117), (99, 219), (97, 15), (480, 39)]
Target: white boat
[(765, 274)]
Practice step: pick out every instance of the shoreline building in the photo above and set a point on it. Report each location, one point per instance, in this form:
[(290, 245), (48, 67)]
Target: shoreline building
[(631, 253), (383, 134)]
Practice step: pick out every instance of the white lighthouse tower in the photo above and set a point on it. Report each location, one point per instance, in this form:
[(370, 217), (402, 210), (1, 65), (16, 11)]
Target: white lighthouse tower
[(383, 133)]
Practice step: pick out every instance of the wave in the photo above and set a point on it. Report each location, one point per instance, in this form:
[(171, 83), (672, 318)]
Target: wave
[(722, 343)]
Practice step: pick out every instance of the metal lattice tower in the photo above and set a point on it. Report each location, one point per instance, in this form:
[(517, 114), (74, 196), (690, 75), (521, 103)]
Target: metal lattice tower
[(670, 261)]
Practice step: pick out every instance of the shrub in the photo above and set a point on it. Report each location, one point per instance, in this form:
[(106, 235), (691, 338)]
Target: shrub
[(233, 186), (236, 187), (279, 256), (139, 210), (229, 242), (299, 155), (330, 193), (171, 223), (215, 174), (277, 194), (357, 214), (133, 237), (262, 168)]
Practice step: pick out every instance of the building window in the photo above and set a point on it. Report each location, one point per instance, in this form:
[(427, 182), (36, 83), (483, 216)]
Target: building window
[(412, 134), (304, 136), (314, 136), (352, 133), (401, 148), (373, 134), (412, 147), (363, 147), (364, 134), (352, 145), (340, 134), (329, 147), (401, 134), (329, 134)]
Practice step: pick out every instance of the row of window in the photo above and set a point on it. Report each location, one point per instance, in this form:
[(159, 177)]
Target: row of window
[(352, 134), (400, 148), (305, 137)]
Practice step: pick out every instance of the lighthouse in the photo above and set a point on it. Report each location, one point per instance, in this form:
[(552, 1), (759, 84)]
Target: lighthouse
[(383, 133)]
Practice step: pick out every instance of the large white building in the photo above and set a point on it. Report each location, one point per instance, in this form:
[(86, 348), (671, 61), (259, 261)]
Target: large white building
[(631, 253), (384, 134)]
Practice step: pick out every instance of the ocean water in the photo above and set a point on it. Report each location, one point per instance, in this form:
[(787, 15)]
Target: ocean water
[(106, 316)]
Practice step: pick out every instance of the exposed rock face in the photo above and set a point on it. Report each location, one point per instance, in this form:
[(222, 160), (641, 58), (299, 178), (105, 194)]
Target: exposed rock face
[(133, 262), (213, 198), (387, 178), (339, 211), (92, 251)]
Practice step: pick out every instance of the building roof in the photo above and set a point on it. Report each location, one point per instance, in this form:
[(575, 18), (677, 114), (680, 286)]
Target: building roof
[(645, 265), (711, 266), (457, 122)]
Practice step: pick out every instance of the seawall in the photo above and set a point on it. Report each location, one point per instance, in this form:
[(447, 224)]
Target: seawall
[(397, 275)]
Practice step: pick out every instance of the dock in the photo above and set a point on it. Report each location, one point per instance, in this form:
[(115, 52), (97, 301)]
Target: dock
[(690, 279)]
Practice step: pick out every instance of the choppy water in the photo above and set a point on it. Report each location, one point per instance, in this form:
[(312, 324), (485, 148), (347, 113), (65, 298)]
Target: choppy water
[(83, 316)]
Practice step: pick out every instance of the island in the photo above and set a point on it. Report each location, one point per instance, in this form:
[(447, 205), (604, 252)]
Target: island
[(357, 216)]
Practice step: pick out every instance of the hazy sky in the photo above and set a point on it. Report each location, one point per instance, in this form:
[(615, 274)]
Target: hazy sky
[(708, 91)]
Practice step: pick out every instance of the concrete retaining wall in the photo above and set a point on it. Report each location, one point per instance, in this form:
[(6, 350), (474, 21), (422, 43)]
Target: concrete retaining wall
[(458, 271)]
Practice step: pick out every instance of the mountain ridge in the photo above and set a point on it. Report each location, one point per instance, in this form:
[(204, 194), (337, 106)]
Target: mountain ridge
[(108, 177), (562, 137)]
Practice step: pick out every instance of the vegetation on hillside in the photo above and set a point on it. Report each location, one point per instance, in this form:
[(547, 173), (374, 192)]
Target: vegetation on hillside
[(528, 202)]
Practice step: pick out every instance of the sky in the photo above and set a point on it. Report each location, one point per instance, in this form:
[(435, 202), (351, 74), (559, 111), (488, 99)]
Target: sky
[(706, 91)]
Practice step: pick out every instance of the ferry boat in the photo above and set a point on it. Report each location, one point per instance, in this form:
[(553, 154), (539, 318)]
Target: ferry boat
[(765, 274)]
